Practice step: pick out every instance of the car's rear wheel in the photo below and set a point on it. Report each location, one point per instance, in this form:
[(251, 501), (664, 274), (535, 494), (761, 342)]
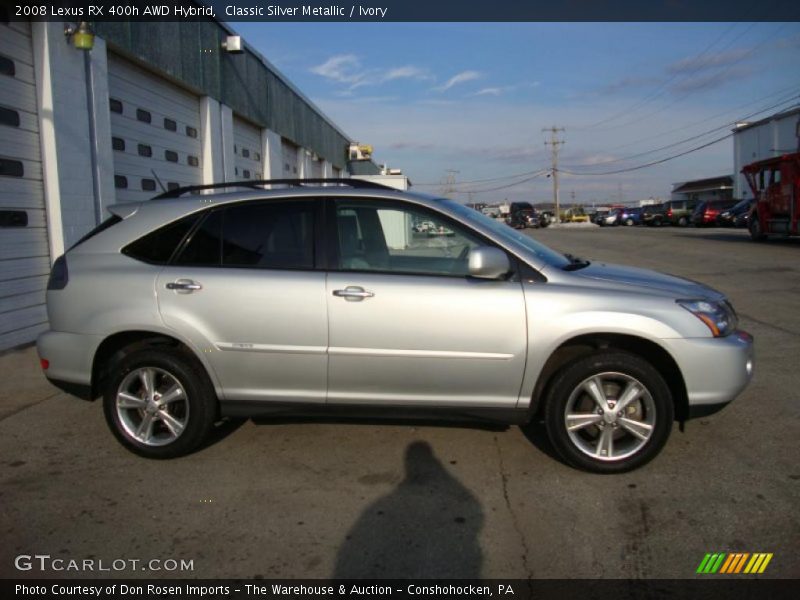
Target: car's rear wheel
[(159, 403), (628, 222), (609, 412), (683, 221)]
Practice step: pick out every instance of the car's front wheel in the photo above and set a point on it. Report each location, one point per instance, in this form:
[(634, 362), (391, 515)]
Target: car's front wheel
[(159, 403), (609, 412)]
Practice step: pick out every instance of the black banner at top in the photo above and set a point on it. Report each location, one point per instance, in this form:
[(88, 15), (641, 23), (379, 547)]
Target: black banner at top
[(403, 10)]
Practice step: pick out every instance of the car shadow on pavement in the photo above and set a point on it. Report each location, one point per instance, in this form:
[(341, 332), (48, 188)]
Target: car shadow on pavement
[(536, 433), (372, 420), (222, 429), (427, 527)]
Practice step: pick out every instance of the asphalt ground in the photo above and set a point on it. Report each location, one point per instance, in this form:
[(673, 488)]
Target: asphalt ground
[(312, 499)]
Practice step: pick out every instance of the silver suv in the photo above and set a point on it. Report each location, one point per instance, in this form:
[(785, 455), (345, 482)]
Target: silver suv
[(313, 296)]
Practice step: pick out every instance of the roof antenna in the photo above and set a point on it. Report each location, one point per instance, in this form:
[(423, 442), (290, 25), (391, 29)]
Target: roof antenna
[(161, 185)]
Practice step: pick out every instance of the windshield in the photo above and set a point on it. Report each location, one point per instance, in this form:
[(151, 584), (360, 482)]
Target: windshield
[(507, 234)]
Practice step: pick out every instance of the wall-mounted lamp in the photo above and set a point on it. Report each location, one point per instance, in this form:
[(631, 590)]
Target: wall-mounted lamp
[(233, 44), (82, 37)]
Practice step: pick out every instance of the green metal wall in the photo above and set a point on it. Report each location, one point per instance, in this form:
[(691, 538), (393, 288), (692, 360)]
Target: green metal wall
[(191, 54)]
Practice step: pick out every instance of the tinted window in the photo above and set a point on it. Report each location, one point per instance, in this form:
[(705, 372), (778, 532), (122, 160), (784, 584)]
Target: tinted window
[(245, 153), (203, 247), (145, 150), (170, 125), (143, 115), (191, 132), (148, 185), (120, 181), (115, 105), (157, 247), (171, 155), (192, 161), (118, 144), (269, 235)]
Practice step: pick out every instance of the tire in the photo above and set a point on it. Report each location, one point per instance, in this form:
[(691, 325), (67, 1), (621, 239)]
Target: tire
[(177, 427), (657, 222), (629, 223), (650, 413), (754, 227), (683, 222)]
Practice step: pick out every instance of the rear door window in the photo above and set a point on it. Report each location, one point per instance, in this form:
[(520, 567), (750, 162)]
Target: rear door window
[(158, 246), (259, 235)]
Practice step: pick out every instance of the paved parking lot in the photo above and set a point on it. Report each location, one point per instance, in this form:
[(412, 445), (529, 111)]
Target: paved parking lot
[(371, 499)]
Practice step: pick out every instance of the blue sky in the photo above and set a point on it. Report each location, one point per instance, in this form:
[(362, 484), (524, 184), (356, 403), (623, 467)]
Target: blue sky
[(474, 97)]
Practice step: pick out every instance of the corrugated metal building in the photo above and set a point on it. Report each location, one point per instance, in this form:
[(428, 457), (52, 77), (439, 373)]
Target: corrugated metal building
[(773, 136), (150, 102)]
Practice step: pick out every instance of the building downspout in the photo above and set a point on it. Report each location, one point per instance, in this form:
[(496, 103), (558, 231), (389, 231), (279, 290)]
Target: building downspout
[(93, 146)]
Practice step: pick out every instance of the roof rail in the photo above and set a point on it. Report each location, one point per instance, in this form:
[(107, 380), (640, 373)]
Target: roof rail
[(258, 184)]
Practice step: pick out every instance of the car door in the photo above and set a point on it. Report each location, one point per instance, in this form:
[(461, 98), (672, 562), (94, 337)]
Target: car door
[(407, 325), (245, 289)]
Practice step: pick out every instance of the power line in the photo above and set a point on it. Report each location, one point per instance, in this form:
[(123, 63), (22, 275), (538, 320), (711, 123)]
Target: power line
[(656, 93), (655, 162), (690, 139), (505, 187), (505, 177)]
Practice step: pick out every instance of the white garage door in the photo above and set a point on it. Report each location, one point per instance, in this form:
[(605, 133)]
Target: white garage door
[(24, 251), (316, 169), (155, 127), (246, 150), (291, 168)]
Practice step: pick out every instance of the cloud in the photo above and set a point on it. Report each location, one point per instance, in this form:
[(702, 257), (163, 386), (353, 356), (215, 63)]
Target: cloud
[(347, 69), (490, 91), (342, 68), (712, 80), (627, 83), (458, 79), (698, 64)]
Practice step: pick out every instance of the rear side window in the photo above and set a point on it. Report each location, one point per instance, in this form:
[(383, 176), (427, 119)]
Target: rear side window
[(265, 235), (158, 246)]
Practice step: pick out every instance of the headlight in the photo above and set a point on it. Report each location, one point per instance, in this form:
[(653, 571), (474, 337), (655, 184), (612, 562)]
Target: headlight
[(719, 317)]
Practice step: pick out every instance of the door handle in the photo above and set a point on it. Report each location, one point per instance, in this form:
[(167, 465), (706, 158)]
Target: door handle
[(186, 286), (353, 293)]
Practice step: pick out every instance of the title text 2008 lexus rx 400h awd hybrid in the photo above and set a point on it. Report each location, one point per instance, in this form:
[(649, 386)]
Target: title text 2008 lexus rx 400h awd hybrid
[(303, 297)]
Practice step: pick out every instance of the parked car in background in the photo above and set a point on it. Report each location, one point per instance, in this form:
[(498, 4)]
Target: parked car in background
[(653, 215), (611, 218), (576, 214), (630, 216), (730, 217), (524, 215), (186, 308), (599, 217), (706, 213), (679, 212)]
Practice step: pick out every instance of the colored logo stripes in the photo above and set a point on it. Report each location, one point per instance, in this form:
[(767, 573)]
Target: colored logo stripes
[(734, 562)]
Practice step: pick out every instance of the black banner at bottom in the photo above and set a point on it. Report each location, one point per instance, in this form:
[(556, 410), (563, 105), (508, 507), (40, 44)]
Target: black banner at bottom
[(543, 589)]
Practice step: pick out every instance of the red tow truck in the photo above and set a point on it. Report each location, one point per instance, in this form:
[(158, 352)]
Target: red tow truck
[(776, 188)]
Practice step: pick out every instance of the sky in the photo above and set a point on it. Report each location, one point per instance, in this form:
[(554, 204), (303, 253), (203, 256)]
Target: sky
[(474, 97)]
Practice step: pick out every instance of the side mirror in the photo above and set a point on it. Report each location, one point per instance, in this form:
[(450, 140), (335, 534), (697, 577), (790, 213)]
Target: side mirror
[(488, 263)]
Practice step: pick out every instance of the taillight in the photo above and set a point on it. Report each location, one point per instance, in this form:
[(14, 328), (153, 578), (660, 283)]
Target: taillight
[(669, 212), (59, 276), (45, 364)]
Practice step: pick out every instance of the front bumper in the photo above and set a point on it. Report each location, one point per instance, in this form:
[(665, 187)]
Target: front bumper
[(715, 370)]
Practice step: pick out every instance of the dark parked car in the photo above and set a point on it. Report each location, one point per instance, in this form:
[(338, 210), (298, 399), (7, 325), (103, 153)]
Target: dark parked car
[(523, 215), (736, 216), (653, 215), (679, 212), (705, 214)]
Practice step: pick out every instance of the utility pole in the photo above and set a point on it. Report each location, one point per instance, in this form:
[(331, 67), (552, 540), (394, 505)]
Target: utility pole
[(555, 143), (450, 182)]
